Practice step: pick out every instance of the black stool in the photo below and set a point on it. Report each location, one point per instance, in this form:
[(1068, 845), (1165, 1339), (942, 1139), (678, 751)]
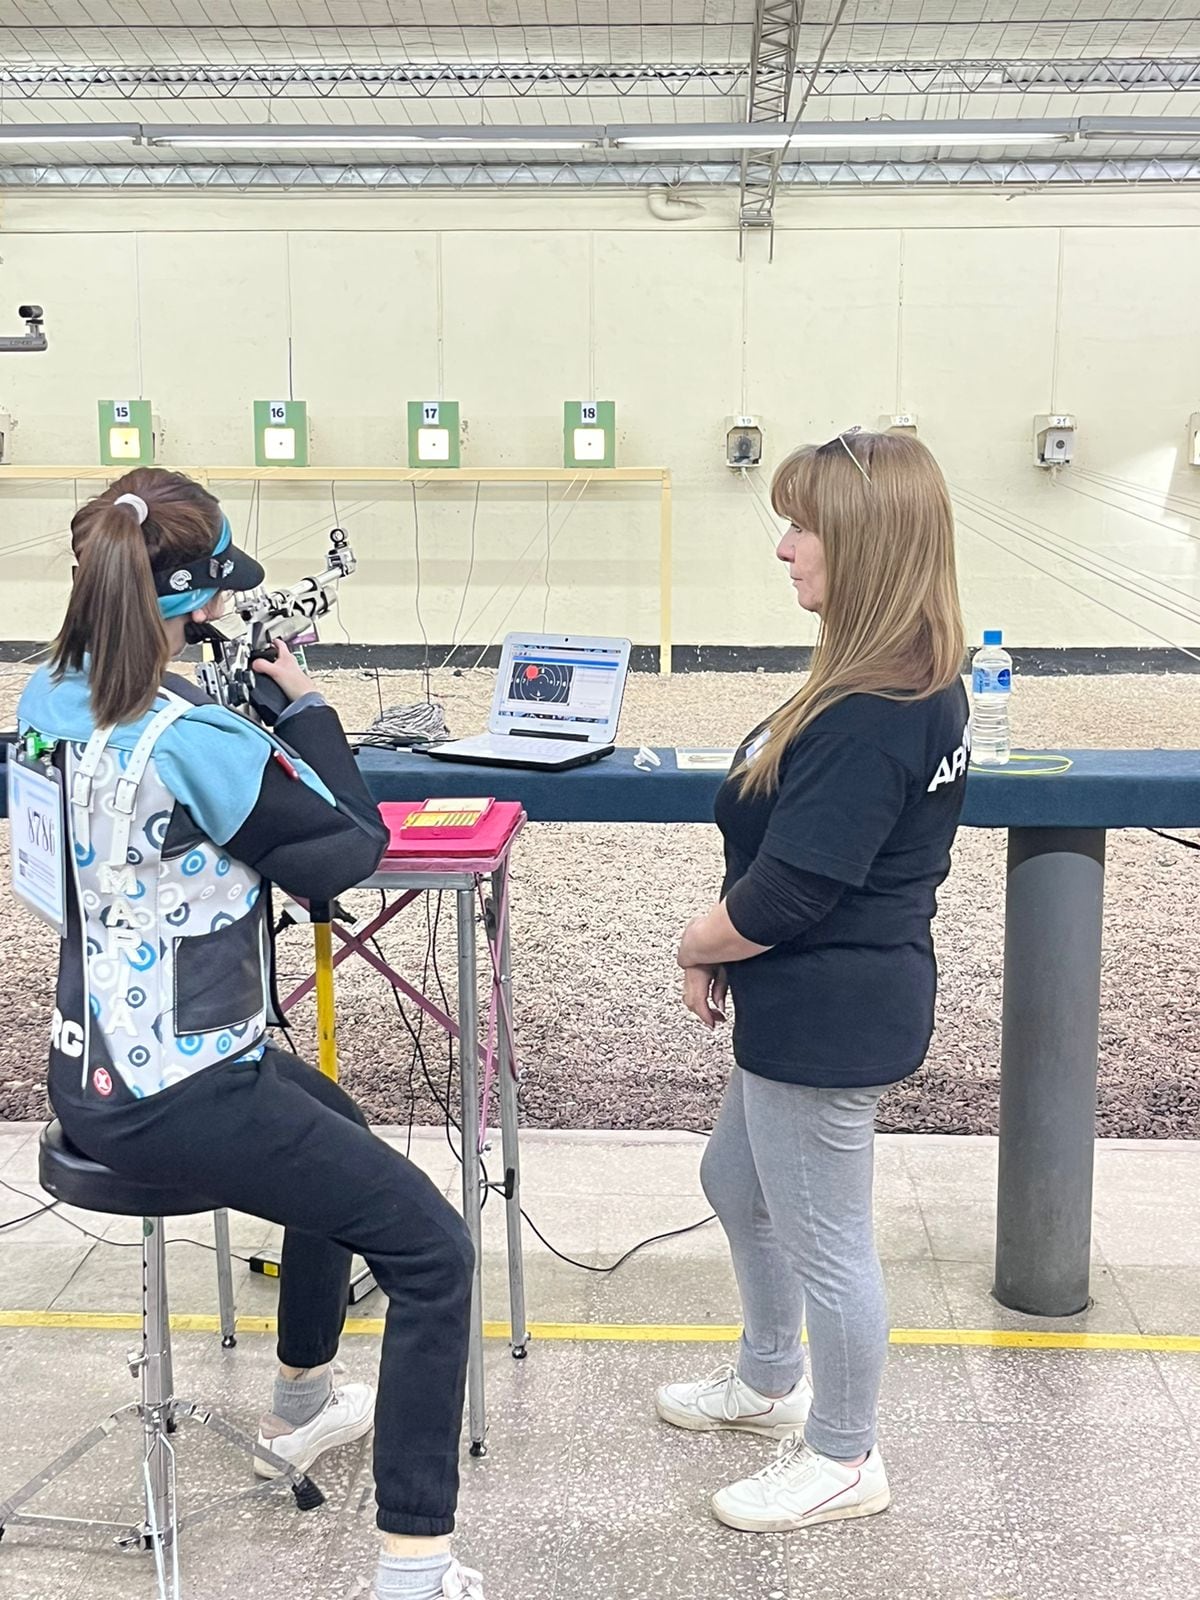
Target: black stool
[(69, 1176)]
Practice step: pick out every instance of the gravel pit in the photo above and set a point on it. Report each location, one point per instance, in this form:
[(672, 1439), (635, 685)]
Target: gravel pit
[(604, 1040)]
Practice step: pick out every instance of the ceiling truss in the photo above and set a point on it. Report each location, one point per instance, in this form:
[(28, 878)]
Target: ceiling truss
[(1109, 75), (281, 177), (420, 82), (772, 70)]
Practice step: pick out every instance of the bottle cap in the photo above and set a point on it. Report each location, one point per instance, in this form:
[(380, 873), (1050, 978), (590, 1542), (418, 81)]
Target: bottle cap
[(993, 636)]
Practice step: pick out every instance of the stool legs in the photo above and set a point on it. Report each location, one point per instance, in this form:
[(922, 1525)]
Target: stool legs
[(157, 1378), (156, 1412), (225, 1302)]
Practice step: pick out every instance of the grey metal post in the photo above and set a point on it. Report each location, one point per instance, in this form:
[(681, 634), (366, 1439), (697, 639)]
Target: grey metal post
[(509, 1132), (225, 1301), (1048, 1061), (156, 1376), (472, 1193)]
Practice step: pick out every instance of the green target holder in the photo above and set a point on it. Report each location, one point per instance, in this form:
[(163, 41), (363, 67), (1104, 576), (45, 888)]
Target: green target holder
[(280, 433), (433, 434), (589, 433), (126, 433)]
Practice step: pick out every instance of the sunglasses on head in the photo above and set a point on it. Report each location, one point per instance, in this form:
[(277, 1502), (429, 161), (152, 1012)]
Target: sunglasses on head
[(841, 438)]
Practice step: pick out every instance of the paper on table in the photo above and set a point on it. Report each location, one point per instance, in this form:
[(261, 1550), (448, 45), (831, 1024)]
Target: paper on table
[(704, 760)]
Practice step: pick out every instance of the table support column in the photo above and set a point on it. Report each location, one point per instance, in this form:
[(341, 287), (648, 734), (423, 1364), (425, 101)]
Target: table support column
[(1048, 1064)]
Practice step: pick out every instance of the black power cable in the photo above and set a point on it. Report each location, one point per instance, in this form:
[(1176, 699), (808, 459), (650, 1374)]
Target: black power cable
[(444, 1105), (117, 1244), (1188, 844)]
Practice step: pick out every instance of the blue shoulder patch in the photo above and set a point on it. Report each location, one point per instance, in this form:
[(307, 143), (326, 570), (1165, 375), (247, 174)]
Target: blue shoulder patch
[(62, 710), (212, 761)]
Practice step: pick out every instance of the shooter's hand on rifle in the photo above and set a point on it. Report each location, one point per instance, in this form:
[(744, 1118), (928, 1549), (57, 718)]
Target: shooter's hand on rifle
[(286, 681)]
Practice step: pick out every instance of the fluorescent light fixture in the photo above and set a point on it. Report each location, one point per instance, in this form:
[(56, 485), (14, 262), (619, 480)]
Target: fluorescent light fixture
[(312, 137), (847, 135), (886, 139), (1140, 128), (66, 133), (690, 136)]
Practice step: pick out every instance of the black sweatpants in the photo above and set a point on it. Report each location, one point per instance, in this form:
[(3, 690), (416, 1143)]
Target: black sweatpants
[(277, 1139)]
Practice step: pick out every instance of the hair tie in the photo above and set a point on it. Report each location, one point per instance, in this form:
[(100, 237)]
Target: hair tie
[(138, 504)]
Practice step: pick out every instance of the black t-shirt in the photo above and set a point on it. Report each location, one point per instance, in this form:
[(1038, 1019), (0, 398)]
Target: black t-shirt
[(870, 795)]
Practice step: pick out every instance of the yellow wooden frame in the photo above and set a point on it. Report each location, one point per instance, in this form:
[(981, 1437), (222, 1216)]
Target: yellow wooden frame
[(205, 475)]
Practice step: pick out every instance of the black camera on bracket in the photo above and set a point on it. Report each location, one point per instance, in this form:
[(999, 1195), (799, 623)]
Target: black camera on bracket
[(34, 337)]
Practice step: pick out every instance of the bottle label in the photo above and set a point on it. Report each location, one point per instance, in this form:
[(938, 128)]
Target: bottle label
[(991, 680)]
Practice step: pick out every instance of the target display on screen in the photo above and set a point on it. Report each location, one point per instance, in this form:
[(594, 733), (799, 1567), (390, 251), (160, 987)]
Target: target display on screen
[(541, 683)]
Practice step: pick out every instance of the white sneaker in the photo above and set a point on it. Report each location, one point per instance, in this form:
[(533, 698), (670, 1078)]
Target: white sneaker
[(800, 1489), (348, 1414), (723, 1400), (460, 1583)]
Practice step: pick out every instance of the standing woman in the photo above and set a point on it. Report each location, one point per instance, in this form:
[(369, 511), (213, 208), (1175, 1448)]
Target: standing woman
[(180, 814), (837, 818)]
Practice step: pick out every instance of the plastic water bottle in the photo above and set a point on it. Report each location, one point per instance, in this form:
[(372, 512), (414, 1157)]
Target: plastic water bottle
[(991, 690)]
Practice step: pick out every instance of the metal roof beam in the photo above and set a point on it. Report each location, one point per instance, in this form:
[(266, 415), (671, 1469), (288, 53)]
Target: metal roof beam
[(278, 177), (772, 70), (1116, 75), (418, 81)]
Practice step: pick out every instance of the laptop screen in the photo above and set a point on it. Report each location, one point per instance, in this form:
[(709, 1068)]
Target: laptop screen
[(560, 684)]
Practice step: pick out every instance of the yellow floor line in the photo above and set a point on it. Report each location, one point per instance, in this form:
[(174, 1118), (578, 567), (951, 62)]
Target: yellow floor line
[(640, 1333)]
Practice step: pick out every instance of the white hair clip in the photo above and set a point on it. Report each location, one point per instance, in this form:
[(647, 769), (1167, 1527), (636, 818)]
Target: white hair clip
[(136, 501), (646, 760)]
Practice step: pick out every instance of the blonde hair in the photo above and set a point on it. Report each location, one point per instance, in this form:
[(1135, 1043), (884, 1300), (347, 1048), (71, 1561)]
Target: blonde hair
[(891, 625)]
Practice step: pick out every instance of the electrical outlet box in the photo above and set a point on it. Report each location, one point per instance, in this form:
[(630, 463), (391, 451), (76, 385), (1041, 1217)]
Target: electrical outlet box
[(1053, 439), (434, 438), (280, 433), (589, 433), (743, 442), (127, 433)]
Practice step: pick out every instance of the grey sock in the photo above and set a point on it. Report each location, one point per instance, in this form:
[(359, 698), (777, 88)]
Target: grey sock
[(297, 1400), (411, 1577)]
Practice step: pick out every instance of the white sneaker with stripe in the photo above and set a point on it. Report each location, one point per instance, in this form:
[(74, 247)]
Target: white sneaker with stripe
[(723, 1400), (801, 1489)]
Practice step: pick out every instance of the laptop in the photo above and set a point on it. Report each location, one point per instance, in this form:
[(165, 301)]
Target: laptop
[(555, 706)]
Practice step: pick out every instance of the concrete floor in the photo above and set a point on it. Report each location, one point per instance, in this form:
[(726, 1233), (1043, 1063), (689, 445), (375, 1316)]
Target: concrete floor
[(1017, 1473)]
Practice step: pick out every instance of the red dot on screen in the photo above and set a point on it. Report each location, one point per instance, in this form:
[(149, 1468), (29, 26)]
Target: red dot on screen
[(531, 673)]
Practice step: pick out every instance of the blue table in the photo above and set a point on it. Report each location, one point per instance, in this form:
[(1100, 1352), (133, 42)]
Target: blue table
[(1103, 789), (1057, 825)]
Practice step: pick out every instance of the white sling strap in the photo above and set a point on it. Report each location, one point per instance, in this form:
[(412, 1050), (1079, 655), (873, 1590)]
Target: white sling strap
[(125, 797), (81, 785)]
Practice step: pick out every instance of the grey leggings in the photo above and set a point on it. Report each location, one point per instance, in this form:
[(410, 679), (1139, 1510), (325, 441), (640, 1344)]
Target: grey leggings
[(789, 1171)]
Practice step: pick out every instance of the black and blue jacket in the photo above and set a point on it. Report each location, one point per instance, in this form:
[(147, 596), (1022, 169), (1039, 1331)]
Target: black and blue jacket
[(179, 823)]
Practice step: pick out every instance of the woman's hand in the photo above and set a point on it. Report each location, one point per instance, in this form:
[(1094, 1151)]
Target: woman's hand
[(712, 940), (704, 993), (287, 673)]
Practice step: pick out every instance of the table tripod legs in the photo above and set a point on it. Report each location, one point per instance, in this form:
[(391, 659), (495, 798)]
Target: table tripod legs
[(472, 1191), (508, 1123)]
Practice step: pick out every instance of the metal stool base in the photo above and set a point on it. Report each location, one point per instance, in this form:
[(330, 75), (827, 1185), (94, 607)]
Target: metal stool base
[(158, 1413)]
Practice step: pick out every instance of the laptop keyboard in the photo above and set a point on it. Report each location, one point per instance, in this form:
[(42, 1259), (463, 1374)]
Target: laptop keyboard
[(517, 744)]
